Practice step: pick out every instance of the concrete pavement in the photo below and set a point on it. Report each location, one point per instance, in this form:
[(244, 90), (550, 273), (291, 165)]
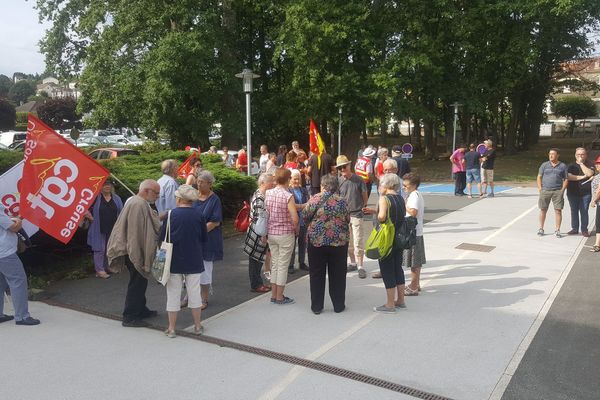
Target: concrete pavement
[(462, 338)]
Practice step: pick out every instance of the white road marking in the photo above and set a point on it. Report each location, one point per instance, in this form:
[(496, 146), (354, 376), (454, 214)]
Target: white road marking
[(293, 374)]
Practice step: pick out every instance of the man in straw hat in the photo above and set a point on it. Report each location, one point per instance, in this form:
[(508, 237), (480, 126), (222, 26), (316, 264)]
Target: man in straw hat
[(353, 189)]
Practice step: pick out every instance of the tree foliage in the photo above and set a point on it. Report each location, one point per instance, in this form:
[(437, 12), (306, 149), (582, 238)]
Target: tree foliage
[(5, 85), (169, 66), (8, 115), (60, 113), (575, 107), (21, 91)]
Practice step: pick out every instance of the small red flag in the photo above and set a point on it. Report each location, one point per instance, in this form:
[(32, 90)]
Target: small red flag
[(186, 168)]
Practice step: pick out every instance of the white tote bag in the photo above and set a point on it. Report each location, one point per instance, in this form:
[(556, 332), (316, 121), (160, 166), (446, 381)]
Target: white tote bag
[(161, 267)]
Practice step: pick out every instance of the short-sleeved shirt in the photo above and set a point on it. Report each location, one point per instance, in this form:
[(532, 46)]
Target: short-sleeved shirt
[(490, 155), (553, 176), (166, 199), (579, 188), (595, 185), (264, 159), (8, 239), (280, 220), (457, 164), (188, 233), (211, 210), (415, 200), (327, 223), (472, 159), (352, 190)]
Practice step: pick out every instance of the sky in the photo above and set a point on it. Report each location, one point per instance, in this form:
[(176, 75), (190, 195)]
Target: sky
[(20, 32)]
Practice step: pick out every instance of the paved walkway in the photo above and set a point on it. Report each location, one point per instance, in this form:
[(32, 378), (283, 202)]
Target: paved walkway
[(462, 338)]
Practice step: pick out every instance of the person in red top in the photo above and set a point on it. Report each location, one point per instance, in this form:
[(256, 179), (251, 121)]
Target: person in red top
[(382, 155), (291, 160), (241, 164)]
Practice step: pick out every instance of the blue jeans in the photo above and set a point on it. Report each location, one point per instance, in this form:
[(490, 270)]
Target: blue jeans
[(579, 206), (12, 275)]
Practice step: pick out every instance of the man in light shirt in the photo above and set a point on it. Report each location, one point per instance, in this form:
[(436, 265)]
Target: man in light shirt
[(168, 186)]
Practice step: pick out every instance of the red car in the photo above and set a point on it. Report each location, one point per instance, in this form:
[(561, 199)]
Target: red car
[(108, 153)]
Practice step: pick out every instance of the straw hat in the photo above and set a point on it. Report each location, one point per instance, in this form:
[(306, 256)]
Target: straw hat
[(341, 161)]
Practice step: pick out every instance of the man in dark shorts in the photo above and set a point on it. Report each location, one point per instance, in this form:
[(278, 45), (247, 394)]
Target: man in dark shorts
[(551, 183), (487, 167)]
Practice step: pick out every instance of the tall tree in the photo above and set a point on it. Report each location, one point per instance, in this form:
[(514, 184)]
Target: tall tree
[(20, 91), (8, 115)]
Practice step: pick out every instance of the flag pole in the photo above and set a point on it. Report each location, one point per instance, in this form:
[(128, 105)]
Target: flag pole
[(122, 184)]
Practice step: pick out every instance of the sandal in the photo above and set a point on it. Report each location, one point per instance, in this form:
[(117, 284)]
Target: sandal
[(199, 331), (408, 291), (204, 305), (595, 249), (170, 334)]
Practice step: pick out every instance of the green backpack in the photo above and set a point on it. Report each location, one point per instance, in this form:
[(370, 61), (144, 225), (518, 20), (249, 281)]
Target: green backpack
[(381, 240)]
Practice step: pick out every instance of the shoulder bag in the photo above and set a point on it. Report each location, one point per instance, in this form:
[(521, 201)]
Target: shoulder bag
[(161, 267), (381, 240)]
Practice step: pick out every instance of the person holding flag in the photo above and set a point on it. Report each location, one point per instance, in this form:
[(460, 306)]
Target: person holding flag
[(320, 163)]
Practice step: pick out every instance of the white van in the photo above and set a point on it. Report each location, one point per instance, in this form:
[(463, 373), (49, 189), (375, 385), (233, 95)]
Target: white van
[(7, 138)]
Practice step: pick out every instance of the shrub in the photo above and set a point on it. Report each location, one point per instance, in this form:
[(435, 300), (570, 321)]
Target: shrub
[(8, 159), (231, 186)]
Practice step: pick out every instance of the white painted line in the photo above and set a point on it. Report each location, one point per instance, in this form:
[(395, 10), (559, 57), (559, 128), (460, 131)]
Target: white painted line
[(504, 380), (295, 372)]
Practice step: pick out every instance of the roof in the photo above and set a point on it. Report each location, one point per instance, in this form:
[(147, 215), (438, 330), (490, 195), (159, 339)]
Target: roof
[(30, 106)]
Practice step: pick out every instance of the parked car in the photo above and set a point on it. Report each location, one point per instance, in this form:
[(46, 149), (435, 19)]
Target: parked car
[(7, 138), (89, 141), (112, 152), (18, 145), (3, 147), (124, 140)]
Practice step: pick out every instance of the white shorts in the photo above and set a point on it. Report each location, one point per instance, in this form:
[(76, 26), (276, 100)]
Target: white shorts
[(192, 286), (206, 276)]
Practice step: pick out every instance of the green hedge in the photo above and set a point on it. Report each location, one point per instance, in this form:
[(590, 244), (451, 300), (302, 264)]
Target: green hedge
[(8, 159), (231, 186)]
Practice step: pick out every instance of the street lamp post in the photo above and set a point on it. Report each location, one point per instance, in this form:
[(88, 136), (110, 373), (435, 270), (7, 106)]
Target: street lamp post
[(247, 77), (455, 105), (340, 132)]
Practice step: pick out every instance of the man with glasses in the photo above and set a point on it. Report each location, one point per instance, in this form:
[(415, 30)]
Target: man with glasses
[(579, 191), (353, 189), (133, 243)]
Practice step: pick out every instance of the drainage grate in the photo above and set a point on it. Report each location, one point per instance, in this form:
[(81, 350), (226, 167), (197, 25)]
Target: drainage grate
[(329, 369), (475, 247)]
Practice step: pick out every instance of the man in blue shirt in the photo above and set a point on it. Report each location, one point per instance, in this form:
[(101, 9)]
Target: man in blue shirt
[(12, 274), (168, 186), (551, 183)]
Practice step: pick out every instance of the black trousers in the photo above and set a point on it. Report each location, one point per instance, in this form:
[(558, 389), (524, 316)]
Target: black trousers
[(300, 246), (333, 261), (391, 269), (135, 300), (254, 267), (460, 182)]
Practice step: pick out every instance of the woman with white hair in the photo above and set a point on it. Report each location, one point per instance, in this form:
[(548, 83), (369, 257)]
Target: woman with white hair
[(300, 198), (209, 205), (187, 232), (391, 205)]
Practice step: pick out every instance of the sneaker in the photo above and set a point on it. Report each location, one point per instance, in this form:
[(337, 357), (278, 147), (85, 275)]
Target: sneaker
[(5, 318), (491, 194), (540, 232), (28, 321), (352, 267), (557, 234), (403, 305), (134, 323), (286, 300), (384, 309), (199, 331), (170, 334), (362, 274), (273, 300)]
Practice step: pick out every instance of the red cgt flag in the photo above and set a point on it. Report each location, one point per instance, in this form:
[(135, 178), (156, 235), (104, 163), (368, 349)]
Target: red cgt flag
[(186, 168), (316, 142), (59, 182)]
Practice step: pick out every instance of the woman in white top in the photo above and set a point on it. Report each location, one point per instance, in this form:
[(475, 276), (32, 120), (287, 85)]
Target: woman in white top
[(414, 258)]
